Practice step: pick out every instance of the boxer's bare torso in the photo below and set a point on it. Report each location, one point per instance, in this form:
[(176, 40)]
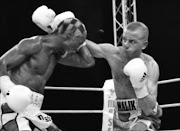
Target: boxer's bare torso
[(122, 84), (117, 58), (32, 61)]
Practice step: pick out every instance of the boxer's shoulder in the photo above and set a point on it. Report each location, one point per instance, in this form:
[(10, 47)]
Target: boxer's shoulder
[(31, 40), (149, 60), (30, 45), (147, 57)]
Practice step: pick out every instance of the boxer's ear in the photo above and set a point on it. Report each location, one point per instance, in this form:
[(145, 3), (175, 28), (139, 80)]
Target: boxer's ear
[(145, 44)]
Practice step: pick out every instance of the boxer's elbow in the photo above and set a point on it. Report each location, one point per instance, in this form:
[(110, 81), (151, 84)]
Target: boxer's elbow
[(90, 62), (154, 111), (149, 112)]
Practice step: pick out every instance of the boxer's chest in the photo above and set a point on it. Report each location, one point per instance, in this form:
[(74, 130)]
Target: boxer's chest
[(123, 86)]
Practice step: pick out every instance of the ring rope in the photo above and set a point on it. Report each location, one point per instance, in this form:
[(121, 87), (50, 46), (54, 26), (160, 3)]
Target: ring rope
[(74, 88), (170, 105), (169, 81), (72, 111), (101, 89), (99, 111)]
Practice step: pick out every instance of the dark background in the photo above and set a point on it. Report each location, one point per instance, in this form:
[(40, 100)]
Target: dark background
[(161, 16)]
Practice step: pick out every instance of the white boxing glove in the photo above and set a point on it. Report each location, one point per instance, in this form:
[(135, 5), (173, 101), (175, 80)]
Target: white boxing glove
[(43, 17), (18, 98), (5, 84), (60, 17), (137, 71)]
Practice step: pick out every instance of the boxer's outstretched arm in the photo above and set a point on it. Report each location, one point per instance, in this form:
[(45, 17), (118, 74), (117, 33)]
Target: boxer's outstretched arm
[(16, 55), (81, 58), (102, 50)]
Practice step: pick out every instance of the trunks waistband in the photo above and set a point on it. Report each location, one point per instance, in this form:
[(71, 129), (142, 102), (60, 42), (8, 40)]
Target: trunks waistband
[(127, 105), (37, 99)]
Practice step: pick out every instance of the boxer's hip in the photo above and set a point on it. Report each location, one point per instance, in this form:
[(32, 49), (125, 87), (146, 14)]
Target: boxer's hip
[(128, 113)]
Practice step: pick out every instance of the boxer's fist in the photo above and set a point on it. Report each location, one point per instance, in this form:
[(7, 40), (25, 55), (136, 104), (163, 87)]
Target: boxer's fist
[(137, 71), (60, 17), (18, 98), (43, 17)]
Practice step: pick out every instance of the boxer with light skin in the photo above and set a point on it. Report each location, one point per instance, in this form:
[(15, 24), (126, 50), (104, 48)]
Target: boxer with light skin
[(27, 67), (135, 75)]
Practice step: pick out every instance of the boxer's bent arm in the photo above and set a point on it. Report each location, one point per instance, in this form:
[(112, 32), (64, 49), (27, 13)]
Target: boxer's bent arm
[(16, 55), (153, 79), (102, 50), (81, 58), (148, 104)]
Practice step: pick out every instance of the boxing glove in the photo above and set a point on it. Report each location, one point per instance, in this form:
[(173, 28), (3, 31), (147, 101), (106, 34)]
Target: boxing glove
[(59, 18), (137, 71), (5, 84), (43, 17), (17, 96)]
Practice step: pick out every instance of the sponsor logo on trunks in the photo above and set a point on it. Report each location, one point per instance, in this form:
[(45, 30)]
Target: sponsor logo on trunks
[(127, 105)]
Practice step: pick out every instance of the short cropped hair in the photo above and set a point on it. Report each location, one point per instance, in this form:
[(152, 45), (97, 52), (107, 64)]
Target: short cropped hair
[(139, 26)]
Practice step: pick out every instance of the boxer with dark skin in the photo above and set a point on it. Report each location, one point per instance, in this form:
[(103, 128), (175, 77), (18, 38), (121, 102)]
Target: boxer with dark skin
[(31, 62), (135, 76)]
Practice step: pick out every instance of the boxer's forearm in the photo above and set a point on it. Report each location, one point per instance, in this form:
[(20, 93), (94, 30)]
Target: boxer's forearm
[(85, 55), (148, 105), (94, 49), (81, 59)]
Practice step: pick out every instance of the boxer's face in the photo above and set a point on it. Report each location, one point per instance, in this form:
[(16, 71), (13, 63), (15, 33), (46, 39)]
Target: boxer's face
[(132, 42), (72, 44), (74, 34)]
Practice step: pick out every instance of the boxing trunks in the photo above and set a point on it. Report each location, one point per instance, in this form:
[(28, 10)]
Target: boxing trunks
[(131, 107), (12, 121)]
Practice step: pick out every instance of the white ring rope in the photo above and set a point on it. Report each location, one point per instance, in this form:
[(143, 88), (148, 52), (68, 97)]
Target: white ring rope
[(99, 111), (101, 89), (74, 88), (170, 105), (169, 81), (72, 111)]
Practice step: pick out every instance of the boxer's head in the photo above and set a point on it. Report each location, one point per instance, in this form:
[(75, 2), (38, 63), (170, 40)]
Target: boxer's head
[(140, 29), (135, 37), (73, 31)]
